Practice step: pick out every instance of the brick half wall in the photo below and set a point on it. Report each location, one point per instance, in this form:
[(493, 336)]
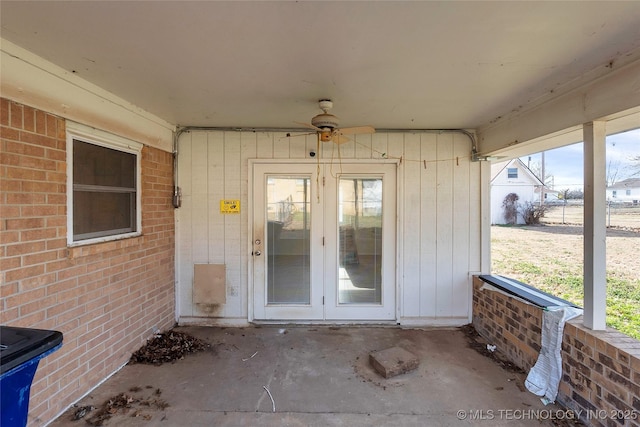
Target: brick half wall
[(108, 298), (600, 369)]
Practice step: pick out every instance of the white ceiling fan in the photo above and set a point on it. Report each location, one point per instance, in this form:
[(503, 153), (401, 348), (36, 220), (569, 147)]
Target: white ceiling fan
[(327, 125)]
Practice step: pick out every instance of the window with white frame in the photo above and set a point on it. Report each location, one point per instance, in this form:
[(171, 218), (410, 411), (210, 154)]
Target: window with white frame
[(628, 192), (103, 186), (512, 172)]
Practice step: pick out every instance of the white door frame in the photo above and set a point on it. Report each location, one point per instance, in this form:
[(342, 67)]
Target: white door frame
[(314, 310), (387, 309), (388, 222)]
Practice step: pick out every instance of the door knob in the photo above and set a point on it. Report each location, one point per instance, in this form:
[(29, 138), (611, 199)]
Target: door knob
[(257, 253)]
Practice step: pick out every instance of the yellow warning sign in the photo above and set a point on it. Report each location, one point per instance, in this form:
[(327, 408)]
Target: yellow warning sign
[(229, 206)]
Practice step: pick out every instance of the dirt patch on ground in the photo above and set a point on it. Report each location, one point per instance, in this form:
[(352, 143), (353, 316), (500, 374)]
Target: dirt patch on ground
[(143, 403), (168, 347), (137, 403)]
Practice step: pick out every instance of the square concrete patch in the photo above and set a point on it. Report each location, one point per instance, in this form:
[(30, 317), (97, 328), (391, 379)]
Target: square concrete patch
[(393, 361)]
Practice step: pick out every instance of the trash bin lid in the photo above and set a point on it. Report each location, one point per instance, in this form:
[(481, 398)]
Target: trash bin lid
[(18, 345)]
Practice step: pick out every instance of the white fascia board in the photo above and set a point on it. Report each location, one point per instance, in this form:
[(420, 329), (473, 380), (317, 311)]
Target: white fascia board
[(33, 81), (614, 98)]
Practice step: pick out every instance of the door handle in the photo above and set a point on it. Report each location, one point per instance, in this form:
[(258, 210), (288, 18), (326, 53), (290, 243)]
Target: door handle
[(257, 253)]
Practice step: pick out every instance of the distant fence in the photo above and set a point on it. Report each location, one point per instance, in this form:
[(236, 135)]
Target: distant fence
[(618, 214)]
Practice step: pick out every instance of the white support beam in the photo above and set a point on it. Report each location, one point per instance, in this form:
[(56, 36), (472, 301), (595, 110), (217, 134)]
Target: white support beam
[(485, 217), (601, 99), (595, 230)]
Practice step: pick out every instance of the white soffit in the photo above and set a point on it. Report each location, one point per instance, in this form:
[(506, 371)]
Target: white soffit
[(393, 65), (33, 81)]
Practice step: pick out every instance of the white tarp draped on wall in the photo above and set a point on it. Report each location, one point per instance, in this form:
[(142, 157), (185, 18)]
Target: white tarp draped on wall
[(545, 376)]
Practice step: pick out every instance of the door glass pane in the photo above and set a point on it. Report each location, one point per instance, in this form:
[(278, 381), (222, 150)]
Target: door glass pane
[(360, 240), (287, 241)]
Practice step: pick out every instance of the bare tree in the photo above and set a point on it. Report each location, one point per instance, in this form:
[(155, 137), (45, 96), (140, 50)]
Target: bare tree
[(536, 168), (635, 166), (613, 172)]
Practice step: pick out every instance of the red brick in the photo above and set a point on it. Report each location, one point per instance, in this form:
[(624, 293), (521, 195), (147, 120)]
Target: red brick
[(72, 272), (15, 115), (62, 285), (39, 210), (61, 307), (56, 199), (39, 258), (10, 186), (39, 140), (57, 155), (10, 159), (36, 282), (23, 273), (56, 244), (4, 112), (25, 248), (8, 289), (8, 237), (59, 220), (52, 125), (37, 305), (26, 198), (62, 128), (41, 234), (7, 133), (24, 297), (40, 187), (24, 149), (29, 118), (41, 122), (8, 316), (24, 223)]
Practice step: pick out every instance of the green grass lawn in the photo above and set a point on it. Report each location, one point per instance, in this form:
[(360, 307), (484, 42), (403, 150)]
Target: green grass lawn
[(553, 266)]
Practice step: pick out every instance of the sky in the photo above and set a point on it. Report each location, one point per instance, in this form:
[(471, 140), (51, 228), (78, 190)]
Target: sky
[(566, 163)]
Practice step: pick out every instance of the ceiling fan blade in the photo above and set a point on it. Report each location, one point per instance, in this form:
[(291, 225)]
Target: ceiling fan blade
[(338, 138), (357, 129), (309, 125)]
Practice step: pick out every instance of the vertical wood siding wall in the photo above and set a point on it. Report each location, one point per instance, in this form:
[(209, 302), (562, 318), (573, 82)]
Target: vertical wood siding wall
[(438, 228)]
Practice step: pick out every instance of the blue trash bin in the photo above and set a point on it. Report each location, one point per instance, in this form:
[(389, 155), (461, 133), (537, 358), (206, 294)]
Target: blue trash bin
[(20, 352)]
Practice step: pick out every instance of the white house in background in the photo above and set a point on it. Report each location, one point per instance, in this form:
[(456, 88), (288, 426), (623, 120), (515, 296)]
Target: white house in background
[(512, 176), (626, 191), (551, 196)]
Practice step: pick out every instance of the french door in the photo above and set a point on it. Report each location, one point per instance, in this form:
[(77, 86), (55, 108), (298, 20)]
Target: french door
[(323, 241)]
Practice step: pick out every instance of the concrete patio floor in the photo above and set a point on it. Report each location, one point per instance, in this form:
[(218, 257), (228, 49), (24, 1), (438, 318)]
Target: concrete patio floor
[(321, 376)]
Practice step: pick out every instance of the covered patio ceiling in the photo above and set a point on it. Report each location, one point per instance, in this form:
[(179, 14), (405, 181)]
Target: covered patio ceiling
[(489, 66)]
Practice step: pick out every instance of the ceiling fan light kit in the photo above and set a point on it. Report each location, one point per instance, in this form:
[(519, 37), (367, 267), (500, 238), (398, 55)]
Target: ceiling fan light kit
[(327, 125), (325, 120)]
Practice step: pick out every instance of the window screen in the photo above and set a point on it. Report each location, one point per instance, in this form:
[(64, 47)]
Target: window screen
[(104, 191)]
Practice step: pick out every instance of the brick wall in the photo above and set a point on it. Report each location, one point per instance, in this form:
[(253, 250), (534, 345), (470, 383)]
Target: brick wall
[(514, 327), (106, 298), (601, 374), (601, 369)]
